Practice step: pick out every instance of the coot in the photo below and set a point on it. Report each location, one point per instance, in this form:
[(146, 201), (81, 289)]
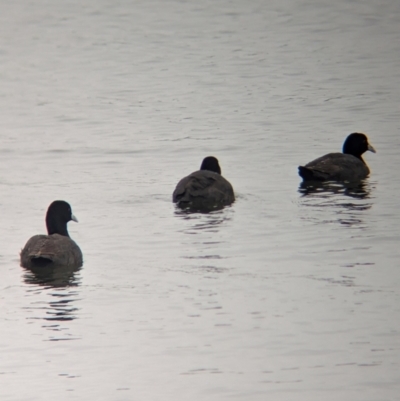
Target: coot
[(56, 248), (346, 166), (205, 189)]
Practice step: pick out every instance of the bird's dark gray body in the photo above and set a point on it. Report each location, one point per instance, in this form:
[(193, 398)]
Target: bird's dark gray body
[(335, 167), (55, 249), (203, 189)]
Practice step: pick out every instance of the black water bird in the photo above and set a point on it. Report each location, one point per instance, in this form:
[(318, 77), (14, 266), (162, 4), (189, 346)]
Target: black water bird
[(56, 248), (346, 166), (205, 189)]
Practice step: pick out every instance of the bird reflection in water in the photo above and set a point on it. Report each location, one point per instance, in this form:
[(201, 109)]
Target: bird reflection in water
[(358, 190), (204, 220), (346, 198), (55, 292), (52, 276)]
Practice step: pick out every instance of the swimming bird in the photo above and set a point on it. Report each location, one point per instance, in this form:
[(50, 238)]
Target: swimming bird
[(56, 248), (205, 189), (346, 166)]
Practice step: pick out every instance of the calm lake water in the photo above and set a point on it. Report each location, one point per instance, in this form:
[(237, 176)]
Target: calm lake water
[(286, 295)]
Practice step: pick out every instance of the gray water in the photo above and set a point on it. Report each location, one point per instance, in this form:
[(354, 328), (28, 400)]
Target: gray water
[(285, 295)]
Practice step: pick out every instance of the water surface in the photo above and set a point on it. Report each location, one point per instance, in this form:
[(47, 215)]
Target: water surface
[(290, 293)]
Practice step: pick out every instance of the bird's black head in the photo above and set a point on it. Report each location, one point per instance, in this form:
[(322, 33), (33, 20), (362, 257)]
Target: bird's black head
[(356, 144), (58, 215), (210, 163)]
